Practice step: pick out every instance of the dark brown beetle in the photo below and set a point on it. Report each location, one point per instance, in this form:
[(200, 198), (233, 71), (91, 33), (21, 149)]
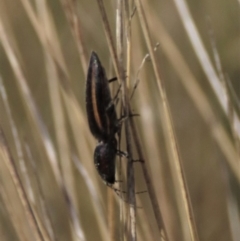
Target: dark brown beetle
[(102, 119)]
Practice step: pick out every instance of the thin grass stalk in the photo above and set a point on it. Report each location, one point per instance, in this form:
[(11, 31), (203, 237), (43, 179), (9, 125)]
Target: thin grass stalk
[(232, 208), (200, 50), (231, 197), (216, 55), (16, 139), (170, 133), (18, 146), (7, 157), (120, 55), (35, 118), (128, 25), (14, 219), (44, 137), (70, 8), (198, 96), (231, 109), (145, 227), (150, 188), (111, 215), (109, 38), (12, 215), (153, 147), (130, 169), (124, 210), (120, 33), (56, 104), (21, 160), (130, 173), (127, 28), (232, 99), (75, 110), (13, 127), (67, 183), (41, 197), (39, 29), (95, 197), (203, 57), (65, 167)]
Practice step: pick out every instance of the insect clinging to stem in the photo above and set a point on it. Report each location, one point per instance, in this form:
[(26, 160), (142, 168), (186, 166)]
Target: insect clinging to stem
[(102, 119)]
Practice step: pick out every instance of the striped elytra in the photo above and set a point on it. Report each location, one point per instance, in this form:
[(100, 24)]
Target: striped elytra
[(101, 113)]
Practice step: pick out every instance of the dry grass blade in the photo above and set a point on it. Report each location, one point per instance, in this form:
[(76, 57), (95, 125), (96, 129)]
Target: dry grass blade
[(7, 157), (13, 217), (36, 119), (56, 103), (200, 50), (40, 197), (109, 39), (60, 129), (125, 100), (95, 197), (21, 160), (171, 138), (202, 55), (233, 207), (66, 167), (53, 49), (44, 48), (70, 8), (151, 191), (26, 94), (199, 97)]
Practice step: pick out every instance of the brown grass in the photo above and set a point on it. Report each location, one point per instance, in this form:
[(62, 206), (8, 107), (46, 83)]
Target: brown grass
[(187, 133)]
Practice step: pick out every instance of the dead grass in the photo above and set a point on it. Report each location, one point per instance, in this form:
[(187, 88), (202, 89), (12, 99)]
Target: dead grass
[(187, 133)]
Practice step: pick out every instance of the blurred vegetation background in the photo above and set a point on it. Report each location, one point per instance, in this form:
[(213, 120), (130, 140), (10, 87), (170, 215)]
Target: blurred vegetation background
[(44, 52)]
